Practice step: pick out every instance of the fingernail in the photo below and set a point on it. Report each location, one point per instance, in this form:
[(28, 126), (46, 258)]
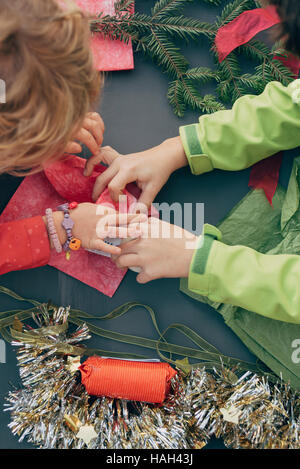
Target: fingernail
[(77, 149)]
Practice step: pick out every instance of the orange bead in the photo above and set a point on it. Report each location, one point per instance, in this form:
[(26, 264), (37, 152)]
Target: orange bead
[(75, 244)]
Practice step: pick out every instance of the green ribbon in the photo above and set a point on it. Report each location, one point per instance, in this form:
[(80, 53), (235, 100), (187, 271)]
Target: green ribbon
[(206, 354)]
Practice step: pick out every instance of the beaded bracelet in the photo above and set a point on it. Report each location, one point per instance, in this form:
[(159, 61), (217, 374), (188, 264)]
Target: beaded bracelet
[(52, 231), (72, 243)]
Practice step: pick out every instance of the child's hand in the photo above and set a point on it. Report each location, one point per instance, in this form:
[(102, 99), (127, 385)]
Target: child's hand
[(150, 169), (93, 223), (163, 250), (90, 134)]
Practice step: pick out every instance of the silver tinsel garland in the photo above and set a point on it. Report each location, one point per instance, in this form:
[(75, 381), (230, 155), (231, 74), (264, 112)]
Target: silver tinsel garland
[(53, 410)]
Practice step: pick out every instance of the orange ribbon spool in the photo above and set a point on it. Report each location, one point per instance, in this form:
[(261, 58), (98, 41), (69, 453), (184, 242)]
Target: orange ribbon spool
[(124, 379)]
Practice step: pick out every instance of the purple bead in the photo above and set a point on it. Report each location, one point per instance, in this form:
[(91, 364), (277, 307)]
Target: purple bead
[(67, 224), (66, 245), (63, 207)]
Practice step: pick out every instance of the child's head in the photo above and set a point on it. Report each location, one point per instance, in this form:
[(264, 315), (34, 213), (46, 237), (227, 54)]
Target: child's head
[(47, 65), (289, 12)]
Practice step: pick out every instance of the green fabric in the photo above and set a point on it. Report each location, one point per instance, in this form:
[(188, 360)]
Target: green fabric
[(256, 231), (203, 247), (255, 128), (199, 163), (199, 261)]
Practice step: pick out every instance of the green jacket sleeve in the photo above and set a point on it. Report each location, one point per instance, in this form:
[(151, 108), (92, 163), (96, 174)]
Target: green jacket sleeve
[(255, 128), (237, 275)]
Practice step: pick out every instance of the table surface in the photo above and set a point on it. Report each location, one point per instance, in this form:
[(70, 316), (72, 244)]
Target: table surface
[(137, 116)]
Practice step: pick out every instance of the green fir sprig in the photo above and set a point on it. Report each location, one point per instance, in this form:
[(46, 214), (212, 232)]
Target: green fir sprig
[(154, 35)]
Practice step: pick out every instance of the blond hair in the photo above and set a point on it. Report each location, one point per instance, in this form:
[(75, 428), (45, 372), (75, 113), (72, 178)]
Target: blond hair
[(47, 66)]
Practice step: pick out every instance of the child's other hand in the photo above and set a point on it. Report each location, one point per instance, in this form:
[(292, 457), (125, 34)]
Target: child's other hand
[(90, 134), (93, 223), (150, 169), (162, 251)]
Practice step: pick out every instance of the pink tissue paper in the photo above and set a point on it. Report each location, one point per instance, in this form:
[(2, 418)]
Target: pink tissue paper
[(109, 55)]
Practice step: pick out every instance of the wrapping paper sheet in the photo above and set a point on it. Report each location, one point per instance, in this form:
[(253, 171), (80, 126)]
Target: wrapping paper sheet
[(278, 233), (108, 55), (63, 181), (265, 174), (243, 28)]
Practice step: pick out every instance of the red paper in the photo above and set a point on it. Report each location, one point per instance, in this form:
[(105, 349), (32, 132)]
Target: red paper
[(109, 55), (64, 181), (264, 175), (243, 28), (292, 62)]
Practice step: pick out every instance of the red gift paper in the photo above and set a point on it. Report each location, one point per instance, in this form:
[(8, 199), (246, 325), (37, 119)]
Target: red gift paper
[(243, 28), (292, 62), (126, 379), (265, 174), (64, 181), (109, 55)]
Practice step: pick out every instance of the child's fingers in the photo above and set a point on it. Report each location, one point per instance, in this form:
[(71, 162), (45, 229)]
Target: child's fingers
[(143, 278), (100, 245), (95, 116), (148, 195), (130, 247), (95, 128), (73, 147), (124, 218), (122, 232), (91, 163), (127, 260), (109, 154), (107, 225), (118, 183), (103, 180), (104, 210), (106, 155), (89, 140)]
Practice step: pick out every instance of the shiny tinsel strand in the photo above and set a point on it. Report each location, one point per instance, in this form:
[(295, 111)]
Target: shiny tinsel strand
[(49, 410)]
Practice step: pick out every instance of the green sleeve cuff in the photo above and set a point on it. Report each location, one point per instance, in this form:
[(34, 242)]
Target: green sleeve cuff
[(197, 280), (198, 161)]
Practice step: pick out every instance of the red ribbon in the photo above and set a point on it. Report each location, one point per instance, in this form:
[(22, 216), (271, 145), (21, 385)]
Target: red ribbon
[(243, 28), (265, 174)]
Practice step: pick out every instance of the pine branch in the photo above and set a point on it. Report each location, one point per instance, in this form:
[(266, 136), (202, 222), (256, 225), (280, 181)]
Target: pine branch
[(167, 55), (123, 6), (175, 97), (201, 75), (164, 8), (184, 92), (270, 68), (233, 10), (210, 105), (154, 36), (229, 72), (133, 26), (213, 2), (185, 28)]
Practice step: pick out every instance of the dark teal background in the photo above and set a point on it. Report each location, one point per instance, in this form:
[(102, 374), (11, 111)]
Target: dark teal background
[(137, 116)]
